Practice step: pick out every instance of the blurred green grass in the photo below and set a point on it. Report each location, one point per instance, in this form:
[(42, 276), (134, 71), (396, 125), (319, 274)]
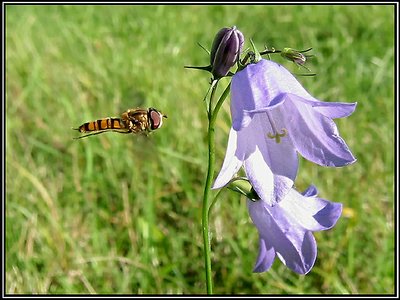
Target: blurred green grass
[(121, 214)]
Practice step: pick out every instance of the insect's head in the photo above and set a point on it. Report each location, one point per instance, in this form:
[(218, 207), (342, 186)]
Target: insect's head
[(155, 118)]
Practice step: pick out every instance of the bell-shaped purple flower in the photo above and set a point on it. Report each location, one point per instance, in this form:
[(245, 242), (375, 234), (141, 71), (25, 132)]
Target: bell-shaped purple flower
[(270, 92), (225, 51), (285, 230), (273, 118)]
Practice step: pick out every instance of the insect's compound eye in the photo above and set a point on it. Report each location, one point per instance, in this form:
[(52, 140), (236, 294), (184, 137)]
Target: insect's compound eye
[(155, 119)]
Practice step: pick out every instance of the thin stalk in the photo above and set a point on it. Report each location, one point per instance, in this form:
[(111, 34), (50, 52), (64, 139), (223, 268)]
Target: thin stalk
[(207, 189)]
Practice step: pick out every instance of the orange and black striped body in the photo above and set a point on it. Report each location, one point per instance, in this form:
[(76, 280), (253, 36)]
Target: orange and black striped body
[(103, 124)]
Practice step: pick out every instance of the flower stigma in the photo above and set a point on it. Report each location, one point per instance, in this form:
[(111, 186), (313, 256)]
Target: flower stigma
[(275, 135)]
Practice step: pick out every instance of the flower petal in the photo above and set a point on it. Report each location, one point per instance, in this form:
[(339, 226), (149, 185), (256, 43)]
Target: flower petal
[(260, 176), (256, 86), (328, 216), (266, 257), (311, 213), (270, 187), (331, 110), (247, 115), (234, 157), (299, 255), (311, 191), (315, 136)]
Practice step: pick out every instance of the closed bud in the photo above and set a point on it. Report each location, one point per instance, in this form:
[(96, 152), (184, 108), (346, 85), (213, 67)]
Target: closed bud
[(294, 55), (225, 51)]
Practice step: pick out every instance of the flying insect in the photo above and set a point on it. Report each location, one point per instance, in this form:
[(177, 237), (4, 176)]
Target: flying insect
[(135, 120)]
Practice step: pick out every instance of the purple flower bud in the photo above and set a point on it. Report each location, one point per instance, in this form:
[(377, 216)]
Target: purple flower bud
[(225, 51)]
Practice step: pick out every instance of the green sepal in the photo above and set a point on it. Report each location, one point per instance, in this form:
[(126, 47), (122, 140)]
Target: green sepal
[(242, 186), (206, 68)]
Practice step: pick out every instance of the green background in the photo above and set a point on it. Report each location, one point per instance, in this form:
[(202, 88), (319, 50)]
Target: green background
[(122, 214)]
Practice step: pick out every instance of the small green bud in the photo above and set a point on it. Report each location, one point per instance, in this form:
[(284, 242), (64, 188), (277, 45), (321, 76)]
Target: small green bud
[(294, 55)]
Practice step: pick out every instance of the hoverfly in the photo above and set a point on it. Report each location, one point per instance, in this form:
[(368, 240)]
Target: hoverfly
[(135, 120)]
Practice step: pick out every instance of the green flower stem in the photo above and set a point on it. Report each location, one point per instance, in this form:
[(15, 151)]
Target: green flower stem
[(207, 189)]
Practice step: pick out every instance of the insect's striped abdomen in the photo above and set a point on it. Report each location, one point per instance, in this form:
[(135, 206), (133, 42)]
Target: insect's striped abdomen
[(102, 124)]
